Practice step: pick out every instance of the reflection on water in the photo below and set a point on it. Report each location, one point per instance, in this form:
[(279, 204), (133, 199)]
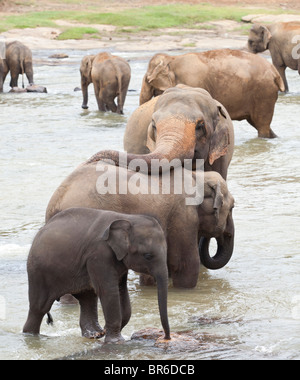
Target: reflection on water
[(248, 310)]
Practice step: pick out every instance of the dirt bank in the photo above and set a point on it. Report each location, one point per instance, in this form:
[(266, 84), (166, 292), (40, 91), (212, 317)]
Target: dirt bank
[(214, 35)]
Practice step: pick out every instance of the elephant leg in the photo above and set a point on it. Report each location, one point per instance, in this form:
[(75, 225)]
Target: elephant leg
[(125, 302), (121, 99), (109, 294), (41, 299), (29, 72), (40, 305), (108, 96), (262, 116), (34, 321), (282, 72), (97, 89), (89, 324), (14, 77), (183, 260)]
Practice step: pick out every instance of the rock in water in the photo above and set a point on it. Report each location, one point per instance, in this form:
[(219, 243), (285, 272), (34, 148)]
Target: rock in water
[(180, 342), (36, 88)]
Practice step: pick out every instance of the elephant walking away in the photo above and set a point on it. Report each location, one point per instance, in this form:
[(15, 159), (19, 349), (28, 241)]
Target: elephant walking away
[(183, 123), (183, 224), (18, 61), (87, 253), (245, 84), (110, 76), (283, 41)]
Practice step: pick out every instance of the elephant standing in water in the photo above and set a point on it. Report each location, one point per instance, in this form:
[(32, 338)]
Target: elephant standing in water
[(247, 85), (17, 60), (88, 253), (182, 223), (183, 123), (110, 76), (283, 41)]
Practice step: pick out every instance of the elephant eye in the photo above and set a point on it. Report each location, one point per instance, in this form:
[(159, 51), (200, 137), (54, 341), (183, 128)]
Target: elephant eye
[(153, 125), (200, 126), (148, 256)]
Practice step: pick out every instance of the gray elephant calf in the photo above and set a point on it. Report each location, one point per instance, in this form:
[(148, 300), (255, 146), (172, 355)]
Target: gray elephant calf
[(87, 253)]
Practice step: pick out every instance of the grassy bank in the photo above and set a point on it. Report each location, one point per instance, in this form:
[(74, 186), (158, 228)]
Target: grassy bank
[(134, 20)]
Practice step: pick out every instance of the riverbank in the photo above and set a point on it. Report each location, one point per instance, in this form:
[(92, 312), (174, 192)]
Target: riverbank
[(210, 27)]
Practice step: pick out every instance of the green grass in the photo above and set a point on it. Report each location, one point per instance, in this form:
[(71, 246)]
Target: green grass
[(139, 19), (78, 33)]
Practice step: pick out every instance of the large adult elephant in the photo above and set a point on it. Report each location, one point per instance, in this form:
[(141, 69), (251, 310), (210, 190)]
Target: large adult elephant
[(110, 76), (247, 85), (182, 215), (183, 123), (283, 41), (18, 60)]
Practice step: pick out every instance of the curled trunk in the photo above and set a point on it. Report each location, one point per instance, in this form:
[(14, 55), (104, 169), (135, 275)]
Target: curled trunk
[(224, 251)]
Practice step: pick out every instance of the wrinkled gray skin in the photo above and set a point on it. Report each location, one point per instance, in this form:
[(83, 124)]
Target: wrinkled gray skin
[(183, 225), (87, 253), (183, 123), (18, 60), (110, 76), (282, 40)]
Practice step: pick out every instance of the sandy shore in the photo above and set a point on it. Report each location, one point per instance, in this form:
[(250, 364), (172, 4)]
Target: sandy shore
[(222, 36)]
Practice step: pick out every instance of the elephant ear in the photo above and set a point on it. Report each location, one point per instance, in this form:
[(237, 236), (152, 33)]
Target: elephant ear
[(160, 67), (220, 139), (151, 138), (266, 36), (147, 91), (117, 237)]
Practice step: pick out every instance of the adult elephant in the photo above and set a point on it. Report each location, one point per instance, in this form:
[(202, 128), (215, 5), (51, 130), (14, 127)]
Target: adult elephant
[(18, 61), (183, 123), (247, 85), (282, 39), (97, 185), (110, 76)]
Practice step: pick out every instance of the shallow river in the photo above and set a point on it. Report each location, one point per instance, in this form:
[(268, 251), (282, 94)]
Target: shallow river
[(248, 310)]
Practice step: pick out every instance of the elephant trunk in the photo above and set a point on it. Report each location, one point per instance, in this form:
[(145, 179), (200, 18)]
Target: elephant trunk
[(224, 251), (162, 292), (84, 87), (1, 76), (172, 146)]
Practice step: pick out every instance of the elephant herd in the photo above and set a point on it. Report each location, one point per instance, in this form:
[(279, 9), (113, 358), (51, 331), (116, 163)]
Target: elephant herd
[(95, 233)]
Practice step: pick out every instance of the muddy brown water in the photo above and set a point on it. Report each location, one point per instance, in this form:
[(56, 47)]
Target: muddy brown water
[(248, 310)]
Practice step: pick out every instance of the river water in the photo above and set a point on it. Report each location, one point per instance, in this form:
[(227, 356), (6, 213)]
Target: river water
[(248, 310)]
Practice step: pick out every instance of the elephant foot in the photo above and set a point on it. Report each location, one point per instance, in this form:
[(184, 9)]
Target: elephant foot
[(112, 339), (95, 334)]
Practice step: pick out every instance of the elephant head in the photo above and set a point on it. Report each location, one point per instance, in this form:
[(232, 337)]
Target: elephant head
[(217, 224), (86, 77), (158, 78), (141, 245), (187, 123), (259, 38)]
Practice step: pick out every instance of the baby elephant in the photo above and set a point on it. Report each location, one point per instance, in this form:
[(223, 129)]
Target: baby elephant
[(87, 253)]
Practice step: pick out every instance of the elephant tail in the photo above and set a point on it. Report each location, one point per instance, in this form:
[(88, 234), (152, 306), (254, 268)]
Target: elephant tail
[(120, 84)]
